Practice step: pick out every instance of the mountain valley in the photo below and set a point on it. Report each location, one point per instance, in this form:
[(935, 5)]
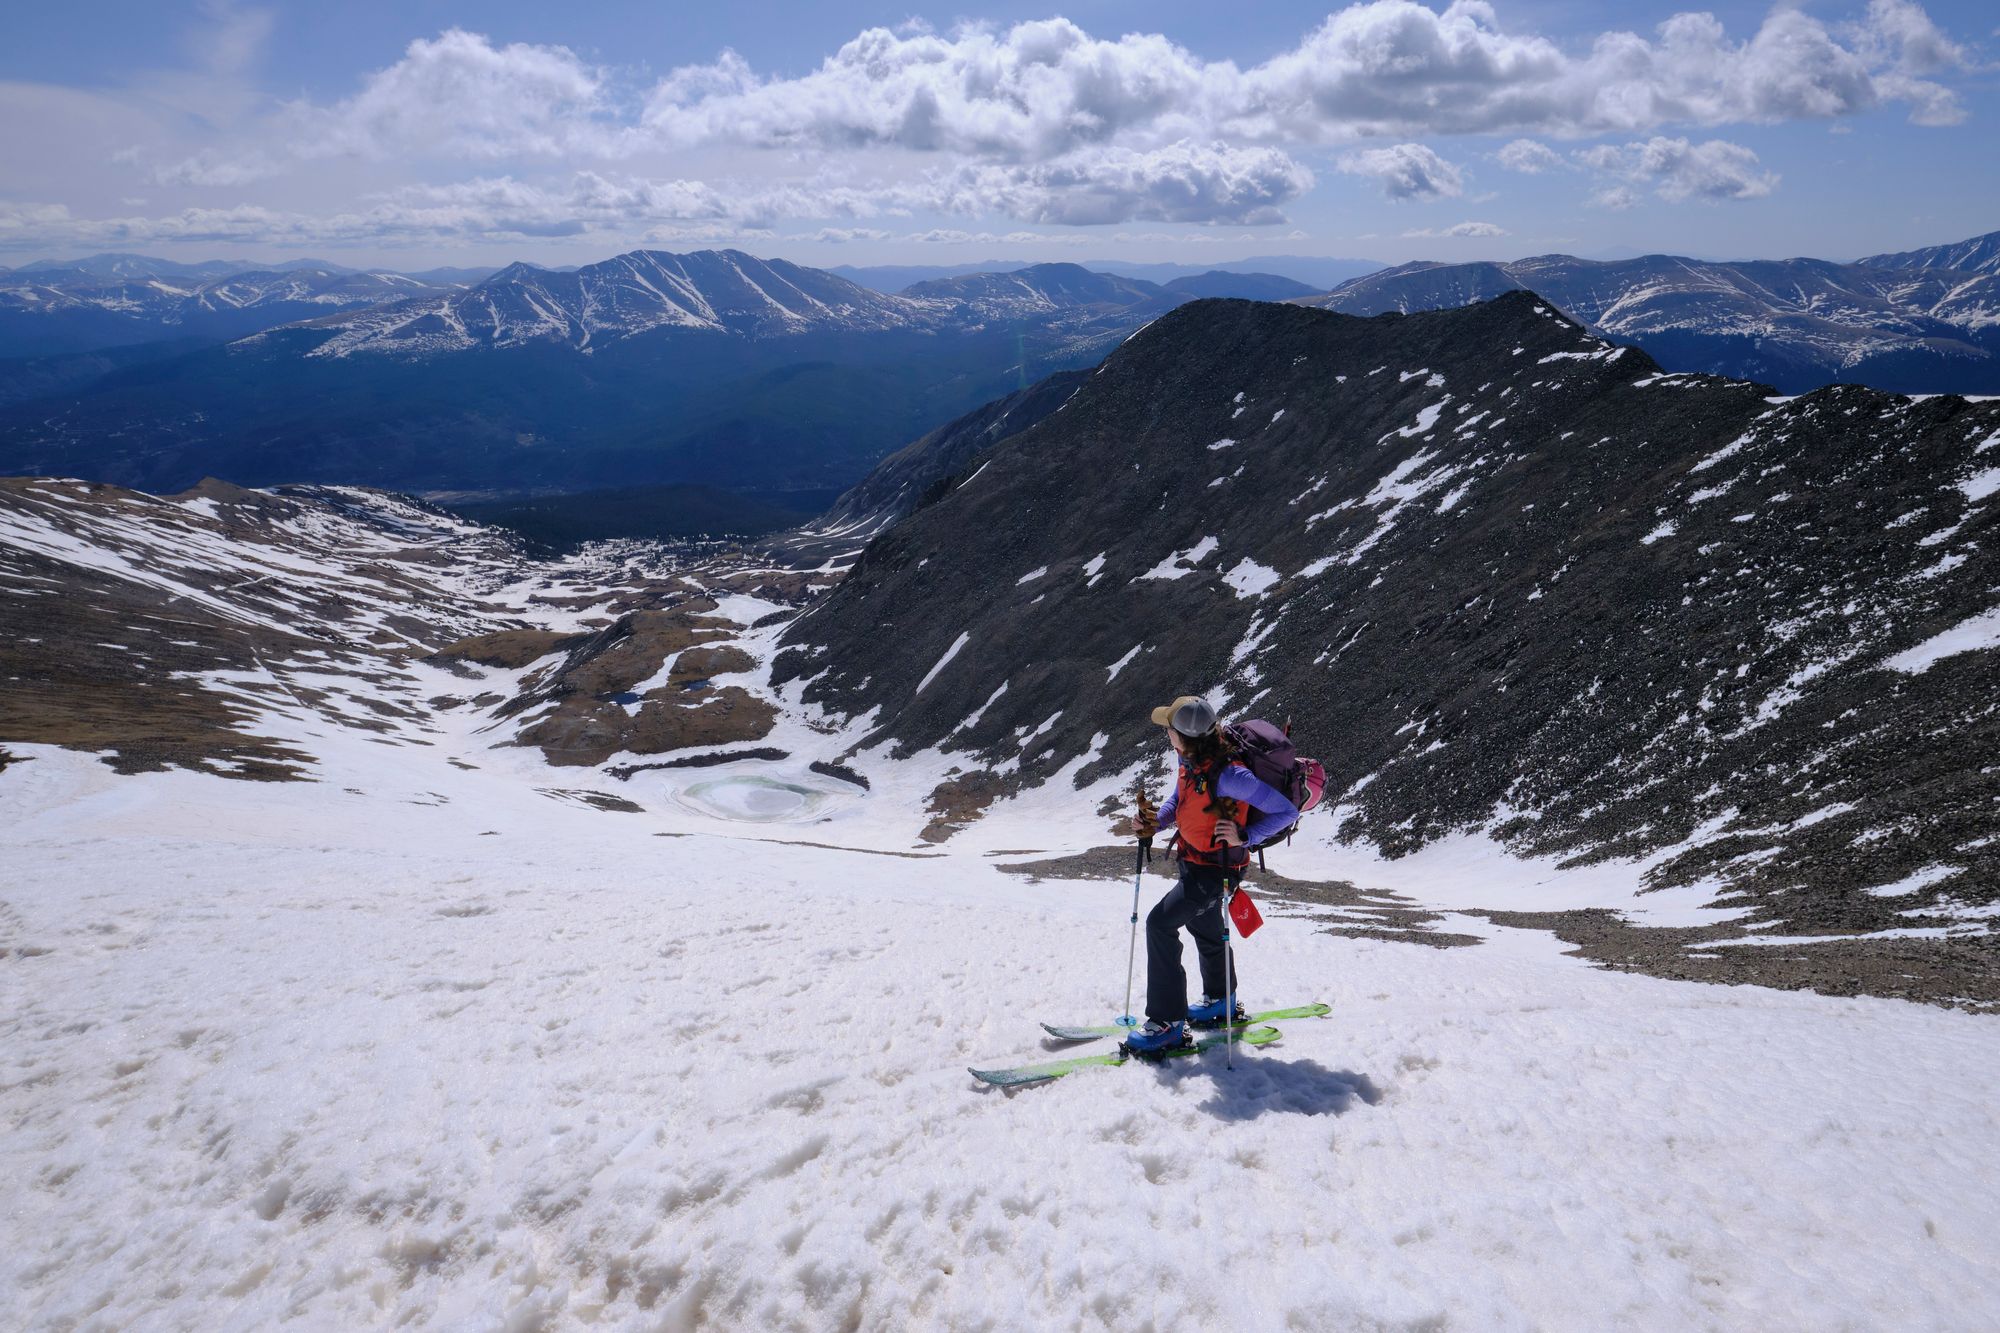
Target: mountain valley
[(1510, 581)]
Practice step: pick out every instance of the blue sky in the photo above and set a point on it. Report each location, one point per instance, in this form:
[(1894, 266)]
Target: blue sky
[(429, 132)]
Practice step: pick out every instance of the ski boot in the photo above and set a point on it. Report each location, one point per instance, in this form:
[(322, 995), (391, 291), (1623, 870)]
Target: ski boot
[(1156, 1039), (1214, 1013)]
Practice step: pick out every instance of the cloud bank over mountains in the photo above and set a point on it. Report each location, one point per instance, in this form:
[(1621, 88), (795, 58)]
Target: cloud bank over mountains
[(911, 131)]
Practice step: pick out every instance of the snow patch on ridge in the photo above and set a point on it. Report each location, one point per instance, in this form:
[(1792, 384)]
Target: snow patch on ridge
[(1181, 563), (943, 662), (1250, 579), (1972, 635)]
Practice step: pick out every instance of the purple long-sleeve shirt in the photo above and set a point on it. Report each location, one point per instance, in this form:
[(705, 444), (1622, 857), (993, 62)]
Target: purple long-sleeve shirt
[(1275, 813)]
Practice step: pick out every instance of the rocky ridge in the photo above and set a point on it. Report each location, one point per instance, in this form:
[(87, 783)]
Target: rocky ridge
[(1505, 576)]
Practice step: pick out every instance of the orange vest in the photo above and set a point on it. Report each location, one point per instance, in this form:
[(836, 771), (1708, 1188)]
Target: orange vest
[(1197, 809)]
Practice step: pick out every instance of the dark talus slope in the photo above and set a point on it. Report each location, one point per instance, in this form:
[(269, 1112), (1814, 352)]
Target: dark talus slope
[(1503, 574)]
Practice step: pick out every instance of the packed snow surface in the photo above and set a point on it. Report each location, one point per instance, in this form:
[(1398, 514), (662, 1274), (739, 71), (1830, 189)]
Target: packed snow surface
[(420, 1046)]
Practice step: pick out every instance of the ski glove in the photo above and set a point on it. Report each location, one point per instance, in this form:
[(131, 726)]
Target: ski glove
[(1146, 822)]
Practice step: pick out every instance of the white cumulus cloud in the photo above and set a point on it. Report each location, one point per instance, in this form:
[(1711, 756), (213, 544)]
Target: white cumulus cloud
[(459, 95), (1040, 123), (1677, 169), (1459, 231), (212, 168), (1183, 182), (1406, 171), (1900, 39), (1033, 92), (1529, 157), (1383, 69)]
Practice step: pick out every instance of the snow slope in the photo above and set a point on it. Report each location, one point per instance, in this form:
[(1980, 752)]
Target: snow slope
[(438, 1047)]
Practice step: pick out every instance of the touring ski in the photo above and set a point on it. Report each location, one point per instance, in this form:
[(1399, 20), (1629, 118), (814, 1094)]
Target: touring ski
[(1112, 1030), (1015, 1078)]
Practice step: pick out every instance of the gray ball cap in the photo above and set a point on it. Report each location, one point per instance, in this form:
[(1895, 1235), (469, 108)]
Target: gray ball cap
[(1189, 715)]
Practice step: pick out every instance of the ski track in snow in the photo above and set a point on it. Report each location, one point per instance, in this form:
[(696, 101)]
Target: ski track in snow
[(444, 1053)]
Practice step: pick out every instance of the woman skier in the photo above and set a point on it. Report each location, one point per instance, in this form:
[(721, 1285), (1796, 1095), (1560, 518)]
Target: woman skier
[(1212, 794)]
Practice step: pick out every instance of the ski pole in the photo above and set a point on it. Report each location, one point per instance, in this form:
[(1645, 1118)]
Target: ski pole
[(1228, 971), (1126, 1020), (1228, 980)]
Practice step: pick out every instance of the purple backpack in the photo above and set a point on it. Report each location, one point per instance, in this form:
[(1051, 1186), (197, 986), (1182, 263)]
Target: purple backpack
[(1266, 750)]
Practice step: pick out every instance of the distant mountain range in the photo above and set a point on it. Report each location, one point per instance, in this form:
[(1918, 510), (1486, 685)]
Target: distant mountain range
[(121, 267), (727, 291), (1927, 321), (55, 308), (722, 370), (712, 291), (124, 300), (714, 369), (1315, 273)]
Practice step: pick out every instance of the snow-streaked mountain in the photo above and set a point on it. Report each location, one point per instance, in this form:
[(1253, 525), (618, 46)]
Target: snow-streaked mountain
[(1980, 254), (730, 292), (716, 291), (121, 267), (1797, 324), (49, 310), (1510, 576), (1041, 289)]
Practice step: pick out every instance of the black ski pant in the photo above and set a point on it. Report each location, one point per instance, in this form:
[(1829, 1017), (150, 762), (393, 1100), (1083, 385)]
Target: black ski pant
[(1196, 903)]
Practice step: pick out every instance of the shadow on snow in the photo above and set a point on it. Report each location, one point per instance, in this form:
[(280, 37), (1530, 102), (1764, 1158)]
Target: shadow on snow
[(1262, 1085)]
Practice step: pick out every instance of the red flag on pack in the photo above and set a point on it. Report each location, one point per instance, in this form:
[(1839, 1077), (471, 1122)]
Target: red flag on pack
[(1243, 914)]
